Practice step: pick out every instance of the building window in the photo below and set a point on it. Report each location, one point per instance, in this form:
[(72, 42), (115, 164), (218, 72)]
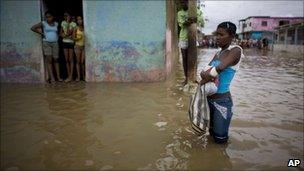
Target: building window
[(250, 24), (281, 36), (283, 22), (300, 36), (291, 36), (264, 23)]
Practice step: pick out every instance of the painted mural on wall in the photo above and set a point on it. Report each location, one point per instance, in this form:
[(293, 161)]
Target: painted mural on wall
[(21, 55), (18, 63), (125, 40)]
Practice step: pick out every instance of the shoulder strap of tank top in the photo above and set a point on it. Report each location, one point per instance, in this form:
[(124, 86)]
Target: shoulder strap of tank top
[(233, 46), (216, 55), (236, 66), (220, 52)]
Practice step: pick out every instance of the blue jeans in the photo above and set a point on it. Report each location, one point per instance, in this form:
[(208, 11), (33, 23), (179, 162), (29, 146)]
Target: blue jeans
[(220, 117)]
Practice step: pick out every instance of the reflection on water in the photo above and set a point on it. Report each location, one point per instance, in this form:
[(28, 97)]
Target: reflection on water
[(144, 126)]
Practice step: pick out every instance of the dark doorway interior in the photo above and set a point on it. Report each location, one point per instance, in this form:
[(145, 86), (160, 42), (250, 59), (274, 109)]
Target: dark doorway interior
[(74, 8)]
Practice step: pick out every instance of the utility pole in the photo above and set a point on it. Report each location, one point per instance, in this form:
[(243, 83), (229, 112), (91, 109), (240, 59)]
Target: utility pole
[(192, 51)]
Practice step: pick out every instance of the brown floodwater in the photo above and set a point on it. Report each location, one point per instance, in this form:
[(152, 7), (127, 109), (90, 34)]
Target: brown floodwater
[(145, 126)]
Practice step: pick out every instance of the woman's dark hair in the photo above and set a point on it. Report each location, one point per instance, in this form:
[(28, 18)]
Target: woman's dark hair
[(48, 12), (229, 27), (68, 13)]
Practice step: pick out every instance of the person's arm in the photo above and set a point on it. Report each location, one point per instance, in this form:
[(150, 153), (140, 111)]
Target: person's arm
[(75, 35), (182, 21), (71, 29), (62, 33), (37, 28), (199, 19), (204, 74), (232, 59), (187, 23), (58, 28)]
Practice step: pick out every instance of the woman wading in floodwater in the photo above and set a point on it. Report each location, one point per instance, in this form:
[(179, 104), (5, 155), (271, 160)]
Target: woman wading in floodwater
[(224, 65)]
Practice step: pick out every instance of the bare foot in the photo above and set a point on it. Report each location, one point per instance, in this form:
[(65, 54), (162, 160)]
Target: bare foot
[(60, 80), (52, 81), (68, 80), (77, 80), (184, 82), (48, 80)]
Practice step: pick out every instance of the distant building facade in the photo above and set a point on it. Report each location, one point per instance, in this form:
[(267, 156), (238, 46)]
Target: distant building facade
[(290, 37), (260, 27)]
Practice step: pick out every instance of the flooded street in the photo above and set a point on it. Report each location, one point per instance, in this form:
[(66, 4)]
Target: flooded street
[(145, 126)]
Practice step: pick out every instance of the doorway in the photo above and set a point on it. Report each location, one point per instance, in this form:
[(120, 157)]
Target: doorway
[(58, 8)]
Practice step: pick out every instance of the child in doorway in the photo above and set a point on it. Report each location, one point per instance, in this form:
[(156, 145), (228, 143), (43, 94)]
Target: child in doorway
[(78, 36), (67, 28)]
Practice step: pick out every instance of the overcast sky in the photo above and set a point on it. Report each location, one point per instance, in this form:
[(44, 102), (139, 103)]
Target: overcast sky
[(219, 11)]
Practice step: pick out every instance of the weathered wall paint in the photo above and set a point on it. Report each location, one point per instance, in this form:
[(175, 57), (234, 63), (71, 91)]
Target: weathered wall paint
[(21, 52), (125, 40)]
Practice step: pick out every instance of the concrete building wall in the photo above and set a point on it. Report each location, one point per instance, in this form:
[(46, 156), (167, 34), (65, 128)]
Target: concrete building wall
[(249, 25), (291, 34), (125, 40), (21, 53), (255, 24)]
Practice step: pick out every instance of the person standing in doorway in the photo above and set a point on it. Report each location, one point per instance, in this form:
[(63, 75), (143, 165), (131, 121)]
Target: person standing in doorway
[(184, 22), (67, 28), (49, 31), (78, 36)]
